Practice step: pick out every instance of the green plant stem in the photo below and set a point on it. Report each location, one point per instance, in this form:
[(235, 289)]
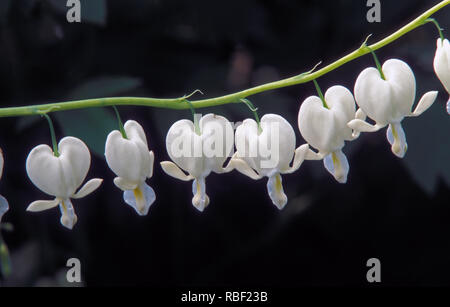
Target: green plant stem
[(319, 92), (119, 120), (254, 110), (377, 63), (181, 103), (441, 35), (52, 133)]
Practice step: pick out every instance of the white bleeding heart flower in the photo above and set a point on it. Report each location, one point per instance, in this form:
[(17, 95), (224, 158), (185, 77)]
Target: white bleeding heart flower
[(199, 150), (388, 101), (61, 176), (132, 162), (268, 152), (4, 206), (325, 128), (441, 65)]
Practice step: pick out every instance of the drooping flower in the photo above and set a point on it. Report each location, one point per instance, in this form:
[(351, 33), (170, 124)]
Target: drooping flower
[(132, 162), (198, 148), (60, 176), (325, 128), (388, 101), (441, 65), (4, 206), (268, 151)]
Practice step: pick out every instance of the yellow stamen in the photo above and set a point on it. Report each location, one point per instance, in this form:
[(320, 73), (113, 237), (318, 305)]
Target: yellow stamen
[(64, 207), (139, 196), (278, 185), (396, 146), (337, 166)]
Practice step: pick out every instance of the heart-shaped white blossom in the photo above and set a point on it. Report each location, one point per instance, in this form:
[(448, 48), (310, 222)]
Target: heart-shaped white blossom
[(132, 162), (198, 151), (325, 128), (61, 176), (4, 206), (388, 101), (268, 152), (441, 65)]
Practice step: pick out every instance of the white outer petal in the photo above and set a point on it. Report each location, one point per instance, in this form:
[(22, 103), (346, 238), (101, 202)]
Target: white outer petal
[(217, 141), (135, 131), (386, 101), (326, 129), (41, 205), (59, 176), (269, 151), (2, 163), (128, 158), (185, 148), (425, 102), (88, 188), (441, 62), (173, 170)]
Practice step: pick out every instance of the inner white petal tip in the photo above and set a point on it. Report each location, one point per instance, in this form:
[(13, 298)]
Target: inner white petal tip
[(200, 200), (140, 198), (396, 137), (276, 192), (336, 164)]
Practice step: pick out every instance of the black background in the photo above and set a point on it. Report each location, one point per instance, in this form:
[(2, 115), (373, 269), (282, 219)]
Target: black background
[(327, 231)]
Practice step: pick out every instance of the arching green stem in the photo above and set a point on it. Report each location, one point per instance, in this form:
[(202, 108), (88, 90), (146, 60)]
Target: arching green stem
[(254, 111), (319, 91), (52, 133), (230, 98), (119, 120)]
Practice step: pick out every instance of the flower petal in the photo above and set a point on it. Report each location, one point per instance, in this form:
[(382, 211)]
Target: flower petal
[(88, 188), (68, 216), (200, 199), (276, 192), (389, 100), (2, 162), (317, 125), (135, 131), (173, 170), (185, 148), (337, 165), (363, 126), (242, 167), (402, 85), (75, 161), (151, 163), (217, 141), (299, 157), (397, 139), (441, 62), (124, 184), (425, 102), (360, 114), (4, 206), (59, 176), (140, 198), (41, 205), (128, 158)]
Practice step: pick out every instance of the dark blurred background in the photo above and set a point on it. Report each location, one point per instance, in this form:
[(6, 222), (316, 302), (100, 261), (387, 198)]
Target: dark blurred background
[(392, 209)]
